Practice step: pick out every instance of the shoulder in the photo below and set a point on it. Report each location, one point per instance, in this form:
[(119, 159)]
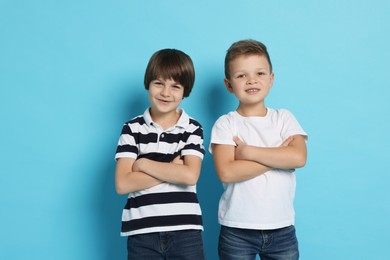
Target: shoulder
[(280, 113), (187, 121), (144, 119), (194, 122), (225, 125), (288, 122), (194, 127), (226, 119), (136, 120), (133, 124)]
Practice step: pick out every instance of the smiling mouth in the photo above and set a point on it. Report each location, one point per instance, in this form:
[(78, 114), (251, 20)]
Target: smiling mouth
[(163, 101), (252, 90)]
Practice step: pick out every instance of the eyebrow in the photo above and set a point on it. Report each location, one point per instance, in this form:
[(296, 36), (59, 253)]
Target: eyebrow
[(243, 70)]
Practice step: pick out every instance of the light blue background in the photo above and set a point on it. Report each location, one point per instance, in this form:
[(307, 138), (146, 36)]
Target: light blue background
[(71, 73)]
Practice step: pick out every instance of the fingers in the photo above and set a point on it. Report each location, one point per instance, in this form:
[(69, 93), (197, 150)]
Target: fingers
[(178, 160), (136, 165), (287, 141), (237, 140)]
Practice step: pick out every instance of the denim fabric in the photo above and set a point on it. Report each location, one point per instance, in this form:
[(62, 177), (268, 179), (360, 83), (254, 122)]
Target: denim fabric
[(174, 245), (245, 244)]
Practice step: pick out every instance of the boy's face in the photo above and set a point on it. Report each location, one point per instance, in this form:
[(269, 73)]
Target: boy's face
[(250, 79), (165, 96)]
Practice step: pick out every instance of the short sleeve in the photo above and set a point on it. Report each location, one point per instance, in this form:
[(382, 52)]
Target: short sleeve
[(194, 144), (290, 125), (222, 132), (127, 146)]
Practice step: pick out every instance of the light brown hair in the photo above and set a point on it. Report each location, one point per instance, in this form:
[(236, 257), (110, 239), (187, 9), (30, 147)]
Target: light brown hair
[(245, 48)]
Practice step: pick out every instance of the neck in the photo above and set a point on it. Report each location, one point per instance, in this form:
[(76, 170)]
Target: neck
[(252, 110), (165, 120)]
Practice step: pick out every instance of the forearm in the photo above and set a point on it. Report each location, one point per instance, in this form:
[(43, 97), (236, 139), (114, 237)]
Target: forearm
[(239, 170), (290, 156), (128, 180), (229, 169), (135, 181), (170, 172), (275, 157)]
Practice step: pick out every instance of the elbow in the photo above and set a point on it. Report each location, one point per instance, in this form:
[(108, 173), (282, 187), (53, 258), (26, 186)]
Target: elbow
[(223, 179), (224, 176), (191, 182), (226, 171), (120, 189), (192, 179), (300, 161)]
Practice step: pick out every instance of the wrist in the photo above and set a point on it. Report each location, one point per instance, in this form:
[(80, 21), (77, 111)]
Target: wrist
[(246, 153)]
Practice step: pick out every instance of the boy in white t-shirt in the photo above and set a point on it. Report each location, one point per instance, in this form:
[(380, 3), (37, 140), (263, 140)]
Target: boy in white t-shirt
[(256, 150)]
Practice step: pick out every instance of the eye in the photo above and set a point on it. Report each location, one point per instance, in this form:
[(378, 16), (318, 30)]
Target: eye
[(157, 83), (261, 73), (239, 76), (176, 87)]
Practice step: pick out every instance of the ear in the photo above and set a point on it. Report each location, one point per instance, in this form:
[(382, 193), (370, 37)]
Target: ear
[(228, 85), (272, 76)]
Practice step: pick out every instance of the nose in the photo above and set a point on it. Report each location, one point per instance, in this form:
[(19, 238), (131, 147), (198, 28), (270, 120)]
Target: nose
[(165, 91), (252, 80)]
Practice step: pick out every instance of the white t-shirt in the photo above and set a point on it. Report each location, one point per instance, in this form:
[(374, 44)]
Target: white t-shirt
[(266, 201)]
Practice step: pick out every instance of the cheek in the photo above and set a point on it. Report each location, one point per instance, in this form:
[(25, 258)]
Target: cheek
[(153, 92), (179, 95), (150, 95), (271, 82), (267, 83)]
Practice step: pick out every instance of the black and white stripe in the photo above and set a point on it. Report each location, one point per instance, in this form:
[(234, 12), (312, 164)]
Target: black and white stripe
[(165, 207)]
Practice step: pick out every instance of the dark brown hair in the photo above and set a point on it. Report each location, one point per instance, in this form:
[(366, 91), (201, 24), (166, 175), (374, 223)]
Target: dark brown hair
[(245, 48), (171, 64)]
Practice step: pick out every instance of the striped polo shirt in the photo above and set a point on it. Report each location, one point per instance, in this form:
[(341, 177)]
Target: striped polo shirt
[(164, 207)]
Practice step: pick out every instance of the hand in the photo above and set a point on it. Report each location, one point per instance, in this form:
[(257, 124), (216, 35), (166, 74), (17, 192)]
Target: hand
[(178, 160), (137, 165), (287, 141), (240, 147), (239, 151)]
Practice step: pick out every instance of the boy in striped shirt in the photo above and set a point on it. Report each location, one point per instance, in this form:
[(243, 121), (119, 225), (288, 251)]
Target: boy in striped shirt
[(159, 157)]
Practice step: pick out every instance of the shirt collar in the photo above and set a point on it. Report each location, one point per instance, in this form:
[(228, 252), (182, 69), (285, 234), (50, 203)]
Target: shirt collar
[(183, 121)]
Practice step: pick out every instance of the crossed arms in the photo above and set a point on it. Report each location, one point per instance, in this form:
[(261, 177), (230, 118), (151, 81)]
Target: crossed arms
[(134, 175), (243, 162)]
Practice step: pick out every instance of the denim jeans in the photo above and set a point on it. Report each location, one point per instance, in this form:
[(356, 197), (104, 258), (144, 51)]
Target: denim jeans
[(245, 244), (175, 245)]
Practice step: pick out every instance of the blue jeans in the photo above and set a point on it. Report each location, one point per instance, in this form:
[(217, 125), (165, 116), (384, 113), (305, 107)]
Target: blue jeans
[(175, 245), (245, 244)]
